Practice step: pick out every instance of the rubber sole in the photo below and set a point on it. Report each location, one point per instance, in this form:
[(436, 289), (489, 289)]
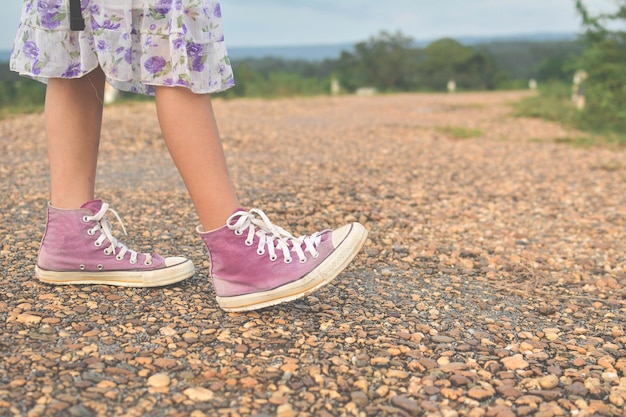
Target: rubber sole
[(325, 272), (141, 279)]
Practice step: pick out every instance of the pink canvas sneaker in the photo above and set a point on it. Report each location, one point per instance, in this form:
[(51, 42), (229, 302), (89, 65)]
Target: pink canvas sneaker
[(255, 264), (78, 248)]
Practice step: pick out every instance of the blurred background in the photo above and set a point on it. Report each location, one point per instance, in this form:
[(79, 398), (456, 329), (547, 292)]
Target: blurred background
[(571, 51)]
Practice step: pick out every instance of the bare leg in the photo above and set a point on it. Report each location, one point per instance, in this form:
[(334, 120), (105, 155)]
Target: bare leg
[(191, 135), (73, 118)]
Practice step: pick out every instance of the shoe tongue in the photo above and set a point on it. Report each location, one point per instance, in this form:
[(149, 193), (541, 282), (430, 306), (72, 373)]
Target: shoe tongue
[(94, 205)]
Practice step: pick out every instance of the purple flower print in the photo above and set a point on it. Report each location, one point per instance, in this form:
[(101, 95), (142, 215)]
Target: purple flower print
[(72, 71), (163, 6), (31, 50), (154, 64), (49, 13), (128, 56), (195, 54), (194, 49), (107, 25), (218, 11), (102, 46), (178, 43), (197, 64), (36, 70)]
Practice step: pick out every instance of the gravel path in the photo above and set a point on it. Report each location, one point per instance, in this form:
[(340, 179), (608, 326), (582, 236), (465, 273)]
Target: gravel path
[(493, 283)]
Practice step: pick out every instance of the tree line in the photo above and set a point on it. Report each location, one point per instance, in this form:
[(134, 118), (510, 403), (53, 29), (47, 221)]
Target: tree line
[(392, 62), (388, 62)]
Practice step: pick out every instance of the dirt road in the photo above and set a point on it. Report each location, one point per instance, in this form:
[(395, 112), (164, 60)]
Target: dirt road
[(493, 282)]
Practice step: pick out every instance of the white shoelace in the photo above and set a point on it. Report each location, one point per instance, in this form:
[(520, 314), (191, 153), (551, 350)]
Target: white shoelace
[(272, 237), (104, 227)]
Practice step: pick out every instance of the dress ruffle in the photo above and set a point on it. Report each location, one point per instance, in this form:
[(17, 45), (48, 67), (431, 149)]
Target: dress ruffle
[(138, 43)]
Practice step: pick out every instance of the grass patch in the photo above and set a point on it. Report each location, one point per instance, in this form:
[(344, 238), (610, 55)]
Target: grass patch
[(8, 111), (553, 103), (579, 141), (460, 132)]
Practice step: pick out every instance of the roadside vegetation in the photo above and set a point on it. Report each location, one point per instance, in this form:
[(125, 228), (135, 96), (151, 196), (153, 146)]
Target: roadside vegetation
[(603, 88)]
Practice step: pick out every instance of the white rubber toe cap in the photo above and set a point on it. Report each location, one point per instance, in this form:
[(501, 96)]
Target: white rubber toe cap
[(175, 260), (342, 233)]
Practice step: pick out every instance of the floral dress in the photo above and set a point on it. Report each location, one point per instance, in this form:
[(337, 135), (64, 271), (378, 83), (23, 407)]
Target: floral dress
[(138, 43)]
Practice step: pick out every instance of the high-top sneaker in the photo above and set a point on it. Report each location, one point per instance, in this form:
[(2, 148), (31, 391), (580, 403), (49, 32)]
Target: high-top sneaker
[(79, 248), (256, 264)]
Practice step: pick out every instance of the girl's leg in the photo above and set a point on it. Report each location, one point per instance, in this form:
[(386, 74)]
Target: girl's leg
[(191, 135), (254, 264), (78, 246), (73, 118)]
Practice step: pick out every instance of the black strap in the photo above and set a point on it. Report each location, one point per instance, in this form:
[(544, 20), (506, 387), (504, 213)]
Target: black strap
[(76, 16)]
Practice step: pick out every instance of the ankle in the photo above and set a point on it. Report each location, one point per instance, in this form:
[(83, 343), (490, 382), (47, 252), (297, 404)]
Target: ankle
[(69, 203), (216, 218)]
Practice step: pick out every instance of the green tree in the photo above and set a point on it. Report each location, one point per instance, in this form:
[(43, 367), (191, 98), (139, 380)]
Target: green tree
[(447, 59), (519, 61), (554, 68), (604, 60), (387, 61)]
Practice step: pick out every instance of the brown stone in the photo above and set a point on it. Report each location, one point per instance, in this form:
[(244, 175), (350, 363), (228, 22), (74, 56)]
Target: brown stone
[(515, 362), (405, 403)]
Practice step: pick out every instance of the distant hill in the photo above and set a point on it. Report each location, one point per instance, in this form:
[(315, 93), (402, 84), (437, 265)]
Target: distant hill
[(306, 52), (333, 51)]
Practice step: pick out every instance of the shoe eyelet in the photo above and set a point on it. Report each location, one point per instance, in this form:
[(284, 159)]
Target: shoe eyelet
[(82, 267), (147, 263), (91, 232), (238, 232), (303, 260), (288, 260), (133, 261), (85, 219), (98, 244), (260, 252), (249, 242), (119, 258), (108, 251), (273, 257), (317, 255), (100, 267)]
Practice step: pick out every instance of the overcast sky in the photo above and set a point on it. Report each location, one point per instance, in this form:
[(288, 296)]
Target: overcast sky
[(298, 22)]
